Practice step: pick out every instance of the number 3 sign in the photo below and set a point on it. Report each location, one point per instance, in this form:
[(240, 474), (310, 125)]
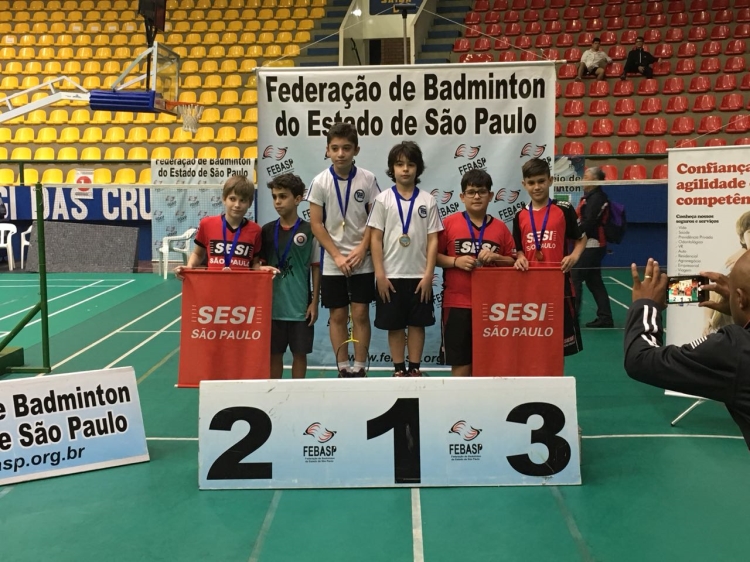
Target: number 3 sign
[(384, 432)]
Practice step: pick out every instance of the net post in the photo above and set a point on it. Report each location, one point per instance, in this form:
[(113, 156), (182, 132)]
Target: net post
[(42, 276)]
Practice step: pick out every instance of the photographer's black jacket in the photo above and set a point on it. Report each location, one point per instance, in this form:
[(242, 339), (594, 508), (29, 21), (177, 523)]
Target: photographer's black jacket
[(715, 367)]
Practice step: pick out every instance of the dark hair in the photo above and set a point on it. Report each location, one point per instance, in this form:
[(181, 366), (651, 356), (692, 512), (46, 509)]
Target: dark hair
[(597, 172), (535, 167), (242, 186), (411, 151), (596, 40), (639, 39), (477, 178), (288, 181), (342, 131)]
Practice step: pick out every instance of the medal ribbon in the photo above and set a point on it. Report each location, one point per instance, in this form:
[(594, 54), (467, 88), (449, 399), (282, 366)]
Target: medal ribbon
[(282, 258), (405, 224), (476, 245), (343, 205), (228, 256), (537, 243)]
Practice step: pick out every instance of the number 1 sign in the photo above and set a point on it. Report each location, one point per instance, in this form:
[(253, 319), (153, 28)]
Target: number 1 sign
[(388, 432)]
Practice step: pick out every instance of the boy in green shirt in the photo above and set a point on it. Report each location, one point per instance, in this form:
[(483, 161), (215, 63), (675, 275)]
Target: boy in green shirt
[(289, 245)]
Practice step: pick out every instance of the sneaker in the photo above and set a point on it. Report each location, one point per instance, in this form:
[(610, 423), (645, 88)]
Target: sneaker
[(416, 373), (358, 374), (345, 374), (600, 324), (400, 374)]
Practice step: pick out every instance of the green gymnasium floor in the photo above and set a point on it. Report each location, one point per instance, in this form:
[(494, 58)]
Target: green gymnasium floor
[(650, 492)]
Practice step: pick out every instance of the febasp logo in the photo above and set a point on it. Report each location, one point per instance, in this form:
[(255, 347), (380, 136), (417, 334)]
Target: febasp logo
[(500, 195), (447, 196), (465, 451), (529, 150), (464, 151), (470, 153), (319, 453), (284, 165), (225, 322)]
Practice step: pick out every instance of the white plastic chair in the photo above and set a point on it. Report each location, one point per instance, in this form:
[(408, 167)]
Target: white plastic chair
[(172, 244), (6, 242), (25, 243)]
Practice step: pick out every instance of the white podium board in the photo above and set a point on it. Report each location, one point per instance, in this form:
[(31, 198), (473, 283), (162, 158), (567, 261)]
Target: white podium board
[(388, 432)]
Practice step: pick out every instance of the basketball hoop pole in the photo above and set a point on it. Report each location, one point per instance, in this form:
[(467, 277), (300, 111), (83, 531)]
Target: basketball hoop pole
[(404, 9)]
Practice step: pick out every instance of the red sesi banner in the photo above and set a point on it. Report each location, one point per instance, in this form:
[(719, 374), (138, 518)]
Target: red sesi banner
[(517, 322), (226, 326)]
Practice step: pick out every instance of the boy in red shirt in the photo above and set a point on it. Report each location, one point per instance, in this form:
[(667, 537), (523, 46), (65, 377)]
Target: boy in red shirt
[(543, 232), (471, 239)]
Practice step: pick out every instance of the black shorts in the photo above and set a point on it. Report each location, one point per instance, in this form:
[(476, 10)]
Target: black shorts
[(335, 289), (405, 308), (456, 335), (298, 336)]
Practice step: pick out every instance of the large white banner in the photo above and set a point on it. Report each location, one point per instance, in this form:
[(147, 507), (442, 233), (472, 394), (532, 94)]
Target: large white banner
[(488, 116), (709, 218), (388, 432)]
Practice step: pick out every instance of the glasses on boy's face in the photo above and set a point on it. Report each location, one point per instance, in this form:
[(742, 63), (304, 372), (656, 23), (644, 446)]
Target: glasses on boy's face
[(471, 193)]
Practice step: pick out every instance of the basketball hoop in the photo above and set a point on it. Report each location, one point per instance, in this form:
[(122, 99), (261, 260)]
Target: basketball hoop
[(189, 113)]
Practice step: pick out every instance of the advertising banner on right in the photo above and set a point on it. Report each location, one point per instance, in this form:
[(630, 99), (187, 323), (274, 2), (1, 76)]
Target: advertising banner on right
[(708, 228)]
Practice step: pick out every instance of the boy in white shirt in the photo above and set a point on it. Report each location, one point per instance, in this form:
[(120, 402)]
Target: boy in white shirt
[(404, 225), (340, 200)]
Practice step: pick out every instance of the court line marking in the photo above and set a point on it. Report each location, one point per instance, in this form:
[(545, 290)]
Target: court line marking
[(164, 359), (144, 342), (619, 282), (267, 521), (5, 491), (112, 333), (49, 287), (416, 525), (149, 331), (51, 276), (49, 300), (570, 522)]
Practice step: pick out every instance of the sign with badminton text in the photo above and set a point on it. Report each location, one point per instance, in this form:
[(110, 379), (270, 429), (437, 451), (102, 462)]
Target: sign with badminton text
[(226, 326), (63, 424), (517, 322), (388, 432), (199, 171)]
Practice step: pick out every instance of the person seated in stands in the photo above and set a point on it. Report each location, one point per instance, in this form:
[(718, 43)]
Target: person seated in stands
[(639, 61), (593, 62)]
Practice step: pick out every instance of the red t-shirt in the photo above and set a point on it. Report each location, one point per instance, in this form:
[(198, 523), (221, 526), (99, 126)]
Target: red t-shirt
[(210, 236), (455, 241), (562, 227)]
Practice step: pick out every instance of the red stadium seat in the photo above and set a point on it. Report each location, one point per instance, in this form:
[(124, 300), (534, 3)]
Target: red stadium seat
[(742, 142), (461, 45), (628, 37), (636, 22), (686, 143), (741, 4), (742, 31), (625, 106), (481, 6), (518, 5), (474, 31), (633, 9), (699, 85), (558, 89), (677, 104), (629, 127), (735, 64), (743, 15), (576, 128), (608, 38), (652, 36), (600, 147), (660, 172), (529, 56), (482, 44), (656, 127), (673, 85), (577, 3), (538, 4), (512, 16), (550, 14), (635, 172), (543, 42), (650, 106), (738, 124), (610, 171), (494, 30), (720, 32), (551, 54), (594, 25), (710, 124), (715, 141), (658, 20), (500, 5), (614, 70), (711, 49), (704, 103), (472, 18), (512, 29), (745, 84), (530, 15), (697, 34), (731, 102), (502, 44), (523, 42), (592, 12), (719, 5), (615, 23), (491, 17), (573, 108), (617, 52), (575, 90), (685, 66), (573, 54), (612, 11), (648, 87), (654, 8), (725, 83), (674, 35), (683, 126), (623, 88), (701, 18), (553, 28), (735, 47), (663, 51), (678, 20), (533, 28), (662, 68), (507, 56), (676, 7), (575, 26), (710, 66), (656, 146), (599, 108), (475, 57), (629, 147), (602, 128), (599, 89), (558, 129), (571, 14), (698, 5), (723, 16), (687, 50), (573, 148)]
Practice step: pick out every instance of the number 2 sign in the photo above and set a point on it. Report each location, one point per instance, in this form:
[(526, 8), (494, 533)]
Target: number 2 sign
[(388, 433)]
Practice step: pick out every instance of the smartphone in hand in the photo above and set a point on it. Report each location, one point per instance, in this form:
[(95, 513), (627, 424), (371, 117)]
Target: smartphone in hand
[(685, 289)]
